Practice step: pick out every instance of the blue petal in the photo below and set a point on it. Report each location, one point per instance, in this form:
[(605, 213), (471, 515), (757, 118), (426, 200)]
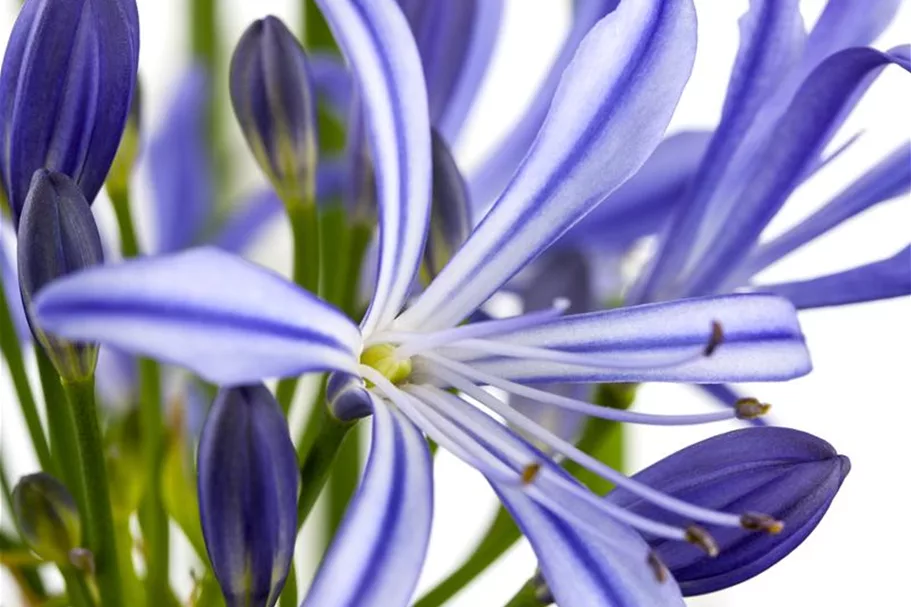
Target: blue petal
[(484, 32), (501, 162), (375, 38), (787, 474), (377, 555), (455, 40), (65, 91), (609, 114), (761, 342), (771, 38), (242, 227), (248, 482), (879, 280), (846, 24), (800, 136), (582, 572), (179, 168), (331, 81), (230, 321), (644, 203), (116, 379), (890, 178)]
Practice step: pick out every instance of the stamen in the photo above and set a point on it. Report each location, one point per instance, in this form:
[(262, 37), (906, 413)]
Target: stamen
[(571, 404), (698, 536), (752, 521), (412, 343), (566, 448), (658, 567), (750, 408), (622, 361), (530, 473), (551, 483), (715, 339)]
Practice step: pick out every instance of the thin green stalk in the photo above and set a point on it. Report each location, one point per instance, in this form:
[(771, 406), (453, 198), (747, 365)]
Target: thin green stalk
[(62, 430), (305, 239), (315, 32), (100, 520), (526, 597), (318, 457), (77, 590), (288, 597), (9, 345), (132, 587), (152, 515), (120, 200)]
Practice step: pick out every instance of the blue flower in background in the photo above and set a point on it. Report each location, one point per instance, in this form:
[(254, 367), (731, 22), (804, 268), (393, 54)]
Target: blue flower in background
[(235, 323)]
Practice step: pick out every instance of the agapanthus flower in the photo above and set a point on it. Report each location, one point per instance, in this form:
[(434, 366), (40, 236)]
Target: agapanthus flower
[(710, 195), (235, 323)]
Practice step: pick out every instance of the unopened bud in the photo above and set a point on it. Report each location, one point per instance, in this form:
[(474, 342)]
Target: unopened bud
[(48, 517)]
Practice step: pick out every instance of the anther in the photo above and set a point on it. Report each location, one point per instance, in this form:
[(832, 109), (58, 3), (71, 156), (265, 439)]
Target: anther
[(698, 536), (752, 521), (530, 473), (715, 339), (83, 560), (658, 567), (751, 408)]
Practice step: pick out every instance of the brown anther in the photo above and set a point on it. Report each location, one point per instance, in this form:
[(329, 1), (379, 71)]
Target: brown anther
[(658, 567), (752, 521), (698, 536), (530, 473), (715, 339), (751, 408), (83, 560)]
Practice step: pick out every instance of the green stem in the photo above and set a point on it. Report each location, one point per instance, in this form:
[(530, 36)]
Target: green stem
[(305, 239), (76, 588), (289, 594), (120, 200), (100, 520), (525, 597), (319, 456), (204, 32), (132, 588), (9, 345), (153, 518), (62, 430), (315, 32)]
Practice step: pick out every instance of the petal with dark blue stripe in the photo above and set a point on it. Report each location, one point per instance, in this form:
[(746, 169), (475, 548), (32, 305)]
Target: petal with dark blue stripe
[(710, 340), (378, 44), (608, 116), (871, 282), (229, 320), (377, 555)]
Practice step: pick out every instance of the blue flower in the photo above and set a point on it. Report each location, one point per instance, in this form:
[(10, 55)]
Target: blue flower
[(248, 483), (235, 323), (65, 91)]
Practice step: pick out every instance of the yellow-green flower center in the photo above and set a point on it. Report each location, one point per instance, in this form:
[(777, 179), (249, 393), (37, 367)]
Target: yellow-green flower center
[(382, 357)]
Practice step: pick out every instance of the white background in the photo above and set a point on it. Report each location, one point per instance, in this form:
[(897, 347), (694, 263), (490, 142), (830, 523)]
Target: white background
[(857, 398)]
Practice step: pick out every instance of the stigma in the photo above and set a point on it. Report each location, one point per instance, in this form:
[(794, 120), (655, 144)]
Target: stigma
[(385, 359)]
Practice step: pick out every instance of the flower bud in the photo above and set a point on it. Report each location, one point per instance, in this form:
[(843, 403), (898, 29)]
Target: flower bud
[(781, 481), (65, 91), (274, 102), (48, 517), (57, 236), (450, 217), (248, 483)]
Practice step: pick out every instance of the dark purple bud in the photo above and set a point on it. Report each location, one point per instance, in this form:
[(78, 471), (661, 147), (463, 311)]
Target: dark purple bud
[(781, 481), (248, 483), (57, 236), (65, 91), (450, 217), (273, 99)]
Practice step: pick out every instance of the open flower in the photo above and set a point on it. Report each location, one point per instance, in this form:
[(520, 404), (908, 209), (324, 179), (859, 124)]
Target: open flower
[(235, 323)]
